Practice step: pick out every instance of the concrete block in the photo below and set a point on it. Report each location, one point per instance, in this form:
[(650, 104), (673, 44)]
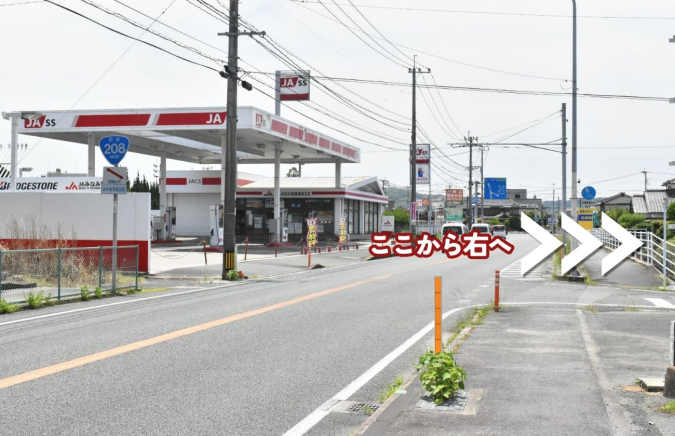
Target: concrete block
[(669, 387)]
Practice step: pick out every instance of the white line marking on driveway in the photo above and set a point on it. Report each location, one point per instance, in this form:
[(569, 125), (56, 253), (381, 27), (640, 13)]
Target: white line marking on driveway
[(660, 302)]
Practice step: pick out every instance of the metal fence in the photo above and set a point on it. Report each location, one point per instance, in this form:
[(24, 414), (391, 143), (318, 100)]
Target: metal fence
[(651, 252), (63, 272)]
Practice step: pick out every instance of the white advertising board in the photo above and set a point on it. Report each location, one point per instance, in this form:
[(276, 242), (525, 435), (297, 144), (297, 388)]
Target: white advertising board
[(114, 180), (54, 184), (294, 85), (422, 173)]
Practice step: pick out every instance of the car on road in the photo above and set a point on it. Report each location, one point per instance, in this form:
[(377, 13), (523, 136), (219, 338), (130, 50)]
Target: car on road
[(500, 230), (458, 228), (482, 228)]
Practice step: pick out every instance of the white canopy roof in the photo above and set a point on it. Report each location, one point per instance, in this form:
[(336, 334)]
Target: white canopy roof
[(195, 134)]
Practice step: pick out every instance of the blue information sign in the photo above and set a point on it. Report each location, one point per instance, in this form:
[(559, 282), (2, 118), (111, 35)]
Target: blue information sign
[(588, 193), (114, 148), (474, 200), (495, 188)]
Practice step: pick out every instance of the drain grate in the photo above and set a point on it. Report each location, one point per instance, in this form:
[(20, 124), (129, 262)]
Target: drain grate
[(456, 403), (363, 407)]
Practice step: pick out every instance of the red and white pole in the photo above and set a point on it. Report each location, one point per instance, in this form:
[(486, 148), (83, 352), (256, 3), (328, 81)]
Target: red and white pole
[(497, 290)]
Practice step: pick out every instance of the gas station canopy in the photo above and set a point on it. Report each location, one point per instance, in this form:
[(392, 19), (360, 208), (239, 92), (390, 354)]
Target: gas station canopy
[(194, 134)]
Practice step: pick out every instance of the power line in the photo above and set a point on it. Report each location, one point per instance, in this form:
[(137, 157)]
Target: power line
[(466, 64), (514, 14), (500, 90), (22, 3), (114, 63)]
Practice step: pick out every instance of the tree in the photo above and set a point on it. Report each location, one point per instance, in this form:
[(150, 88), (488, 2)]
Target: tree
[(401, 217), (513, 222), (630, 220), (293, 172), (615, 214), (671, 212)]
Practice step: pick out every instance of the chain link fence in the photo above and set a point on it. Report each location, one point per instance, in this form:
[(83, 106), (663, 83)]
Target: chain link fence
[(62, 272)]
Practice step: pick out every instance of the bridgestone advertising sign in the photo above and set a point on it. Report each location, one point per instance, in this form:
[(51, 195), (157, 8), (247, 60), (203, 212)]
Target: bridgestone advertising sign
[(54, 184)]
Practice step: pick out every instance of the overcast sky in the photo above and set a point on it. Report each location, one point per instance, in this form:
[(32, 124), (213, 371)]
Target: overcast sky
[(51, 58)]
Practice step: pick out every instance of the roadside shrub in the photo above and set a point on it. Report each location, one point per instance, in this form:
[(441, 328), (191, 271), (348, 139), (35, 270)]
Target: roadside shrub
[(98, 293), (615, 214), (441, 376), (630, 220), (84, 293), (5, 307), (513, 222)]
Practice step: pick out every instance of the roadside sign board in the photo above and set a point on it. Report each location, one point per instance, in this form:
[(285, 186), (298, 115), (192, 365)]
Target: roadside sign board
[(495, 188), (454, 196), (413, 213), (343, 229), (474, 200), (312, 237), (114, 180), (588, 193), (388, 223), (423, 153), (294, 85), (453, 214), (422, 173), (114, 148), (585, 217)]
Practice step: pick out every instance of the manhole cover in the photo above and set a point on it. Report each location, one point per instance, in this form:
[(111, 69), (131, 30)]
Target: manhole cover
[(363, 407), (456, 403)]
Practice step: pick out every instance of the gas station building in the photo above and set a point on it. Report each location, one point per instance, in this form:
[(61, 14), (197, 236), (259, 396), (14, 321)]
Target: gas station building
[(197, 135)]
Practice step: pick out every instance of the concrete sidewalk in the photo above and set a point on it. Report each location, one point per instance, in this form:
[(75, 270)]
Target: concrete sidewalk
[(627, 273), (547, 370)]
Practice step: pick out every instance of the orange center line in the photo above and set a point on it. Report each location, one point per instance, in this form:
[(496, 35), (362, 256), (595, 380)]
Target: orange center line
[(102, 355)]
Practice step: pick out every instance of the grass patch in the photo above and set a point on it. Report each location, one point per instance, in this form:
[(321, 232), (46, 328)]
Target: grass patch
[(151, 290), (591, 309), (390, 389), (6, 307), (668, 408), (98, 293), (469, 319), (632, 309), (84, 293), (38, 300)]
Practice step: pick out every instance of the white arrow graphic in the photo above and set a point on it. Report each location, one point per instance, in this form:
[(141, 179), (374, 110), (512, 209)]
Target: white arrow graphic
[(629, 244), (588, 244), (548, 244)]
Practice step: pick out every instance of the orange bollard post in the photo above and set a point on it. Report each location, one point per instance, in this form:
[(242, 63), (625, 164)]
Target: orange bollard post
[(497, 290), (246, 250), (276, 247), (438, 324), (309, 257)]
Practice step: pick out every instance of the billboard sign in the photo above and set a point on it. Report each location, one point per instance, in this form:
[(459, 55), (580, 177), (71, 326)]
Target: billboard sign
[(422, 173), (294, 85), (388, 223), (54, 184), (495, 188), (423, 153), (585, 217), (454, 196), (453, 214)]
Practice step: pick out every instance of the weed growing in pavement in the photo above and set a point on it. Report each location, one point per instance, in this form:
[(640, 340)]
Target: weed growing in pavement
[(84, 293), (440, 375), (38, 300), (469, 319), (591, 309), (632, 309), (233, 275), (98, 293), (390, 389), (132, 291), (368, 410), (151, 290), (668, 408), (6, 307)]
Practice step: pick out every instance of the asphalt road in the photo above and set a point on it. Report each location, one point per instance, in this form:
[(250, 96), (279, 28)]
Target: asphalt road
[(250, 359)]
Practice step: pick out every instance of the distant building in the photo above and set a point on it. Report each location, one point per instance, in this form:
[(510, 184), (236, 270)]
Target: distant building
[(618, 201)]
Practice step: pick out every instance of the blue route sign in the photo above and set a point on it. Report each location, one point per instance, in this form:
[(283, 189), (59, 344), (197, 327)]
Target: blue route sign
[(114, 148), (495, 188), (588, 193)]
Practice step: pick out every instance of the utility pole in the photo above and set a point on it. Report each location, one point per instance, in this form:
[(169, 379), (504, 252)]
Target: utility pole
[(564, 168), (413, 146), (229, 162), (575, 178), (645, 173), (470, 140), (482, 187)]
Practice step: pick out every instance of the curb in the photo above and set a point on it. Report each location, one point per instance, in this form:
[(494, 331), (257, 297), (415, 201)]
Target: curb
[(379, 422)]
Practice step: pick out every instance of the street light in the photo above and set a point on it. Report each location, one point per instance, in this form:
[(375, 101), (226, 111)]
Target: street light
[(26, 169)]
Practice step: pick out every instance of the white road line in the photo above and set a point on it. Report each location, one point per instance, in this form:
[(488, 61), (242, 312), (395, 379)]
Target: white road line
[(322, 411), (660, 302), (155, 297)]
